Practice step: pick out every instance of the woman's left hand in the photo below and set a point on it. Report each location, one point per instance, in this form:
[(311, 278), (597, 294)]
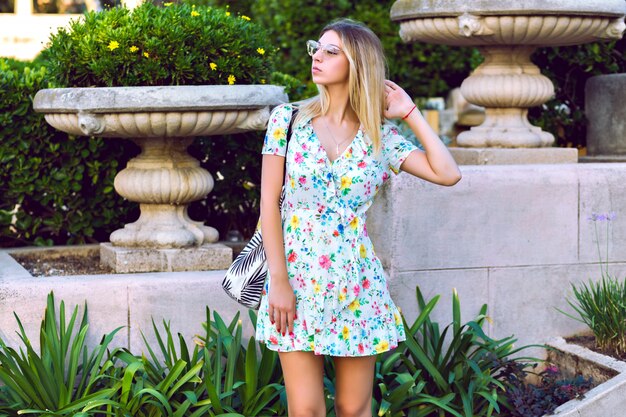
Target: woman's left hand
[(397, 102)]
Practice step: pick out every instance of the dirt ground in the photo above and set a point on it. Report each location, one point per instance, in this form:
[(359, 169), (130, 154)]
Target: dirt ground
[(589, 341), (86, 263), (39, 266)]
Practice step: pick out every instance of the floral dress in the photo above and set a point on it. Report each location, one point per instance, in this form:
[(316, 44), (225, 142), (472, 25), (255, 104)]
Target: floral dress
[(343, 306)]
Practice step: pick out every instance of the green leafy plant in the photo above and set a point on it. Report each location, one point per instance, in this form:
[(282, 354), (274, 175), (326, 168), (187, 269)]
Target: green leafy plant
[(178, 44), (54, 188), (449, 372), (535, 400), (262, 391), (291, 23), (569, 68), (220, 376), (455, 371), (428, 375), (65, 377), (601, 304), (243, 383)]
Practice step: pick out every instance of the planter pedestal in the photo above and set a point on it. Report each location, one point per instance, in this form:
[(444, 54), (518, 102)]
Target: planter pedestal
[(163, 178), (204, 257)]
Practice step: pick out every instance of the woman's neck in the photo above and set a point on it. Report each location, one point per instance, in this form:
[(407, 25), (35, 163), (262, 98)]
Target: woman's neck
[(339, 109)]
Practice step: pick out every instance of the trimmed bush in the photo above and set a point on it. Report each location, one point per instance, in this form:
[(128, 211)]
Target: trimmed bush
[(569, 68), (54, 188), (423, 69), (178, 44)]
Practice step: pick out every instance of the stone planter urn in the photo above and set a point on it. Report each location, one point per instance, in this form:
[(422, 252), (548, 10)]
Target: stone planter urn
[(163, 178), (507, 32)]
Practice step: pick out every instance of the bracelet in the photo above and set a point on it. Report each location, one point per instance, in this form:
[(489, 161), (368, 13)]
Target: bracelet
[(410, 111)]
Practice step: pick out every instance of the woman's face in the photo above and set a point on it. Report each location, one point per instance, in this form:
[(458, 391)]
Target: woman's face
[(330, 64)]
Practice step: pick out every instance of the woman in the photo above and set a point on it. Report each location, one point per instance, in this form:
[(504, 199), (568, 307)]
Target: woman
[(326, 292)]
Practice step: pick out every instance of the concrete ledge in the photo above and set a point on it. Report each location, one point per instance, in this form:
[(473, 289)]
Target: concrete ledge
[(606, 399), (205, 257), (10, 268), (602, 158), (129, 300), (504, 156)]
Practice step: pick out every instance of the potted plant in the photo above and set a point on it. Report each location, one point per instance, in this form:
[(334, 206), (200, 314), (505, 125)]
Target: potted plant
[(160, 76)]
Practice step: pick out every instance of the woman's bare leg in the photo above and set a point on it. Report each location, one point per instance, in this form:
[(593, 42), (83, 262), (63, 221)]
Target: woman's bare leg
[(304, 382), (353, 386)]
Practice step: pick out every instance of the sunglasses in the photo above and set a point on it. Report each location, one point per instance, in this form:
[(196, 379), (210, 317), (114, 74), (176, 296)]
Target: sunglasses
[(329, 50)]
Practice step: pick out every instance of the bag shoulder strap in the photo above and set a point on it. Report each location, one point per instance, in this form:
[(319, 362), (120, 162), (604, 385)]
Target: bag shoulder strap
[(294, 112)]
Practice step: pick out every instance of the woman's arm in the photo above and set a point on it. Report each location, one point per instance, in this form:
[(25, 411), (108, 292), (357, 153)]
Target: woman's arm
[(435, 163), (282, 300)]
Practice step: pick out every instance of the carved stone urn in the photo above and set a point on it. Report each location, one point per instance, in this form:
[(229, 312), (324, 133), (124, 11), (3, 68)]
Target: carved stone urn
[(163, 178), (506, 32)]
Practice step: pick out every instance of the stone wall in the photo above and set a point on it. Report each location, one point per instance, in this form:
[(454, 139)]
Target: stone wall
[(513, 237)]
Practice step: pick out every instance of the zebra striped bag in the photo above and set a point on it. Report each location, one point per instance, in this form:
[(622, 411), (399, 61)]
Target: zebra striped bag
[(245, 278)]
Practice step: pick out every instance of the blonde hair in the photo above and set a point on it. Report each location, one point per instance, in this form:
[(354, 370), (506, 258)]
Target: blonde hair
[(366, 78)]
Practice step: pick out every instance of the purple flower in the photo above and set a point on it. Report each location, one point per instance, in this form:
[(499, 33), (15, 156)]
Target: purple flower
[(602, 217), (552, 369)]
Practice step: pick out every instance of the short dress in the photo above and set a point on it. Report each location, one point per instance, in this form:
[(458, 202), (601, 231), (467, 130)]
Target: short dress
[(343, 306)]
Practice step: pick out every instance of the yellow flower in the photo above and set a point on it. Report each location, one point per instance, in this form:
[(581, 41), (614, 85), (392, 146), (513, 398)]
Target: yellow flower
[(231, 79), (168, 4), (279, 133), (354, 305), (312, 346), (345, 333), (354, 223), (316, 288), (292, 183), (295, 222), (342, 297), (213, 66), (382, 346), (244, 17), (113, 45), (261, 51), (194, 13), (133, 48), (147, 55), (346, 182), (227, 13), (363, 251), (262, 80)]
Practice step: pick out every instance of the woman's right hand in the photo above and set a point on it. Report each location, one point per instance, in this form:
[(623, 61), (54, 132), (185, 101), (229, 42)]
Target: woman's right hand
[(282, 305)]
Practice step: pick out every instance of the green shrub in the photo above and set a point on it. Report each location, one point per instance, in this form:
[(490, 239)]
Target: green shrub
[(601, 304), (537, 400), (54, 188), (455, 371), (178, 44), (569, 68), (423, 69), (432, 70), (64, 377), (220, 375)]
